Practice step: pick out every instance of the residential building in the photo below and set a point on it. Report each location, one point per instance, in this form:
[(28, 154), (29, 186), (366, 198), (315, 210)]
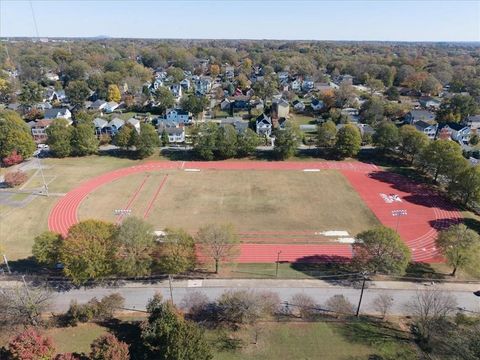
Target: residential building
[(280, 109), (100, 126), (428, 129), (58, 113), (115, 125), (473, 122), (98, 105), (416, 115), (298, 105), (264, 125), (317, 105), (111, 106), (428, 102), (39, 130), (176, 90), (179, 116), (454, 131)]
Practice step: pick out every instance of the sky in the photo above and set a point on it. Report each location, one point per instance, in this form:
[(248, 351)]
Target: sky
[(384, 20)]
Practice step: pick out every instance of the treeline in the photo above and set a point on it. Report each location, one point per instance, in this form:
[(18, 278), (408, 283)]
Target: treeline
[(96, 249)]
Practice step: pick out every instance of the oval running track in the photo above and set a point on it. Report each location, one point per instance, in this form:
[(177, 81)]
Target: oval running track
[(427, 212)]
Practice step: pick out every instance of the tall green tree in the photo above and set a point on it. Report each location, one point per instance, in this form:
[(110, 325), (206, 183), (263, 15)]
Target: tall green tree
[(226, 142), (59, 138), (88, 252), (348, 141), (147, 141), (113, 93), (15, 135), (125, 137), (164, 98), (372, 111), (386, 136), (166, 335), (31, 94), (326, 135), (135, 239), (466, 186), (176, 253), (381, 250), (206, 141), (412, 142), (77, 92), (218, 242), (83, 140), (46, 248), (194, 104), (247, 143), (460, 246), (441, 158), (286, 141)]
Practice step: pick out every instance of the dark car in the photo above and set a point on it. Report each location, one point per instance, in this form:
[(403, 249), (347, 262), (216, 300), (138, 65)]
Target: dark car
[(476, 293)]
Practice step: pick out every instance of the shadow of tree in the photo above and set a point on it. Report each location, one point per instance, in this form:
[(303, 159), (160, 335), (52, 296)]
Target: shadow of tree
[(331, 268), (130, 333), (422, 270)]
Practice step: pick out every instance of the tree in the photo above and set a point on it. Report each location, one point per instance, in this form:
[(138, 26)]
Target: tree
[(460, 246), (375, 85), (88, 252), (164, 140), (12, 159), (147, 141), (247, 142), (412, 142), (372, 111), (344, 95), (76, 70), (466, 185), (164, 98), (167, 335), (386, 135), (194, 104), (113, 93), (306, 306), (392, 93), (383, 303), (175, 73), (83, 140), (31, 94), (441, 158), (59, 138), (214, 70), (348, 141), (77, 92), (23, 306), (429, 310), (218, 242), (46, 248), (286, 141), (205, 142), (381, 250), (226, 142), (134, 239), (176, 253), (15, 135), (108, 347), (340, 305), (457, 108), (125, 138), (31, 345), (15, 178), (431, 85), (326, 135)]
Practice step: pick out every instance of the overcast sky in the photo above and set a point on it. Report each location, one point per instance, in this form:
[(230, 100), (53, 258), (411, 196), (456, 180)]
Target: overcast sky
[(405, 20)]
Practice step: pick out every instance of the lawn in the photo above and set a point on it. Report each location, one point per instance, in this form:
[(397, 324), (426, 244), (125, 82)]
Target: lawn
[(277, 201), (302, 119), (76, 339)]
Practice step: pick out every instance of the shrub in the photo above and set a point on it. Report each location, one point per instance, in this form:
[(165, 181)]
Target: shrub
[(93, 310), (12, 159), (340, 305), (197, 305), (305, 306), (15, 178), (108, 347), (66, 356), (31, 345)]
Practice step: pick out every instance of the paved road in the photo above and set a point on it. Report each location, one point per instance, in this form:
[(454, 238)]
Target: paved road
[(137, 295)]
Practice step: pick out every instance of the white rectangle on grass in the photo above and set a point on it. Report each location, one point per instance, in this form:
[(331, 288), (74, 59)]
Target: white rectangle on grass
[(333, 233), (192, 170), (194, 283), (346, 240), (311, 170)]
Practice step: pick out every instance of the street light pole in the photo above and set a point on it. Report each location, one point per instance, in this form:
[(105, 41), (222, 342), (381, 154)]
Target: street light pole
[(398, 214), (278, 261)]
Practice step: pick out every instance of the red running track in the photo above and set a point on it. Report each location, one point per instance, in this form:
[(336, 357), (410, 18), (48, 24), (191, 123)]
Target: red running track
[(418, 229)]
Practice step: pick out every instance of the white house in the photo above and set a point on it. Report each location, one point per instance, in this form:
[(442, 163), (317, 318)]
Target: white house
[(98, 105), (203, 85), (298, 105), (176, 90), (111, 106), (175, 134), (185, 83), (473, 122), (264, 125), (58, 113), (179, 116), (296, 85), (317, 104), (135, 123), (428, 129)]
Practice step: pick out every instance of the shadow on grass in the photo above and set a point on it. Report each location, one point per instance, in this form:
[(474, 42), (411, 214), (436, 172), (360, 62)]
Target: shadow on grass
[(330, 268), (27, 266), (422, 271), (371, 331), (473, 224), (128, 332)]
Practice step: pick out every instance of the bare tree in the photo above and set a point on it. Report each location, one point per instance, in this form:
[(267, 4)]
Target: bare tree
[(340, 305), (22, 305), (430, 309), (383, 303), (305, 304), (218, 242)]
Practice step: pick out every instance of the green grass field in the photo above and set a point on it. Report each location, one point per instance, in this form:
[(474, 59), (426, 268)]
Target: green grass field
[(251, 200)]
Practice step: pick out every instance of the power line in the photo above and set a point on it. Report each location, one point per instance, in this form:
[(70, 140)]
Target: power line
[(34, 19)]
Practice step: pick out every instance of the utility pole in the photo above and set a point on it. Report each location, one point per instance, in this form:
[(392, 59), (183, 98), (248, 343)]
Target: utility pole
[(361, 293), (278, 261), (171, 290), (6, 263)]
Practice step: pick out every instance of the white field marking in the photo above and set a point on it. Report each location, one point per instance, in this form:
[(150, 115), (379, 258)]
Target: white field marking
[(333, 233), (194, 283), (191, 170), (311, 170), (346, 240)]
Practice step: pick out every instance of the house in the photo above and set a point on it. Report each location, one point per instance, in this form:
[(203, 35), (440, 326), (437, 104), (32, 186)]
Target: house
[(428, 129), (98, 105), (54, 95), (158, 82), (454, 131), (179, 116), (473, 122), (58, 113), (298, 105), (283, 76), (110, 106), (115, 125), (428, 102), (185, 84), (308, 84), (257, 104), (296, 85), (280, 109), (365, 129), (325, 87), (135, 123), (176, 90), (226, 104), (240, 102), (237, 122), (346, 79), (100, 125), (175, 135), (317, 105), (263, 125), (229, 72), (352, 114), (43, 106), (416, 115), (39, 130), (250, 92), (203, 85)]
